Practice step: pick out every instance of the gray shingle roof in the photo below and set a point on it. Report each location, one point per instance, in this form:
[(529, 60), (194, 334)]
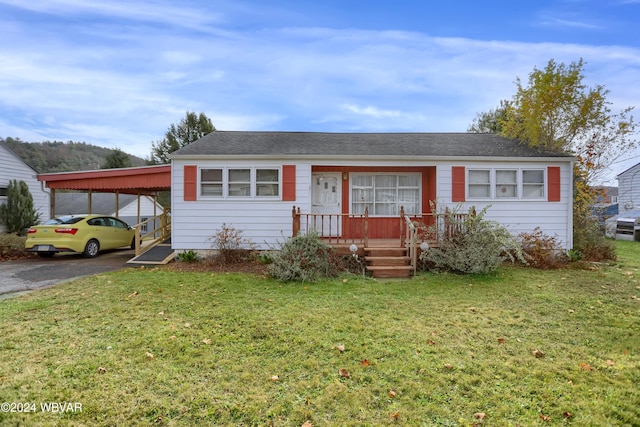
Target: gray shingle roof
[(322, 144)]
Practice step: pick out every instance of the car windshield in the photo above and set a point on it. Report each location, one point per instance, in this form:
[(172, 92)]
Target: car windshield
[(69, 219)]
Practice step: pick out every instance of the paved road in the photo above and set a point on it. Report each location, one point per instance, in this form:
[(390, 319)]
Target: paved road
[(38, 273)]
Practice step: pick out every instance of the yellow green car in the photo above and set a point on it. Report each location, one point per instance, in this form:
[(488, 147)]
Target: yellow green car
[(86, 234)]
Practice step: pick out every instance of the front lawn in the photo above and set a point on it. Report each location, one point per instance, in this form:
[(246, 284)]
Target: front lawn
[(160, 347)]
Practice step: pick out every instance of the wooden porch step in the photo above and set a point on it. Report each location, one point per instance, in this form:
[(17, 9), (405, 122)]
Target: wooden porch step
[(390, 271), (387, 260), (386, 251)]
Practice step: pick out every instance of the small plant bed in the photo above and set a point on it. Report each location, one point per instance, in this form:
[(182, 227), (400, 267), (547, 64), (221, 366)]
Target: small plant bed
[(145, 346)]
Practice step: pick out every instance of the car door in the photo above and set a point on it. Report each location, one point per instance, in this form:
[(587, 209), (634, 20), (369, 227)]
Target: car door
[(121, 233)]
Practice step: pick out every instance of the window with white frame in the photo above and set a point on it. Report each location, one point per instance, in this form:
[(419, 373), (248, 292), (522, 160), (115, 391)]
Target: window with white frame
[(384, 194), (240, 182), (525, 184), (479, 183)]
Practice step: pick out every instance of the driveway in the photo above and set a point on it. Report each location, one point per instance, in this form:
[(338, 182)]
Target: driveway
[(38, 273)]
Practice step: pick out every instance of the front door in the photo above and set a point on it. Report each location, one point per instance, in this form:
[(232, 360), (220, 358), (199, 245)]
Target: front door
[(326, 196)]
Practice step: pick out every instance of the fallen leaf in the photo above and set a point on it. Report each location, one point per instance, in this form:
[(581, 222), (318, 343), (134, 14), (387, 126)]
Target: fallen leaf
[(344, 373), (172, 337), (545, 417), (340, 348), (206, 341), (571, 311), (344, 280), (101, 370), (610, 362), (307, 401), (479, 415), (307, 424), (539, 354), (365, 362), (586, 367), (431, 342), (187, 325), (275, 378), (392, 394), (448, 366), (149, 355), (395, 415), (500, 340), (161, 313), (567, 414)]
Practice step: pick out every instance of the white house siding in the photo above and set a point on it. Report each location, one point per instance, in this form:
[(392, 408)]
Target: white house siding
[(12, 167), (555, 219), (629, 189), (263, 222), (267, 222)]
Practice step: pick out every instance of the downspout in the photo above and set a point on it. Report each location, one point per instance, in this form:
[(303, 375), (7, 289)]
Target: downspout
[(570, 210)]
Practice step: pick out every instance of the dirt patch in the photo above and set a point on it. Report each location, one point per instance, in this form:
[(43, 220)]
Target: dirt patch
[(246, 266)]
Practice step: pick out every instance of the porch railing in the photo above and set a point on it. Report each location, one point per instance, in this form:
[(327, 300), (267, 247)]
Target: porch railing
[(161, 230), (333, 227)]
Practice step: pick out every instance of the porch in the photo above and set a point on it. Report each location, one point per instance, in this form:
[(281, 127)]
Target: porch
[(392, 256)]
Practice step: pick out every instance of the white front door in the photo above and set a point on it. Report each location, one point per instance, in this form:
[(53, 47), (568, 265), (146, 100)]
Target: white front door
[(326, 197)]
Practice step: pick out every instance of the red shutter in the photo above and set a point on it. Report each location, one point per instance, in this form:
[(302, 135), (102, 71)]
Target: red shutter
[(190, 183), (553, 183), (458, 185), (288, 183)]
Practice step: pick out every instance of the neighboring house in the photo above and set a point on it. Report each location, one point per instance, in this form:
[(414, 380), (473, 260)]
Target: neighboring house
[(12, 167), (251, 181), (105, 203), (629, 189)]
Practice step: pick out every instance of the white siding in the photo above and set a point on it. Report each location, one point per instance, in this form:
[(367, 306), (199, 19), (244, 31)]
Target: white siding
[(629, 189), (264, 222), (267, 222), (12, 167), (518, 216)]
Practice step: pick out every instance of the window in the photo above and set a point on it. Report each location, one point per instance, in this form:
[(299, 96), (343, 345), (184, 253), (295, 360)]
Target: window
[(267, 182), (384, 194), (240, 183), (479, 183), (3, 191), (533, 184), (211, 182), (506, 183)]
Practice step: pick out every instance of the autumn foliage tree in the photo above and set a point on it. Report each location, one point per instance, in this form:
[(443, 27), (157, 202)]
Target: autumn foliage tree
[(556, 110)]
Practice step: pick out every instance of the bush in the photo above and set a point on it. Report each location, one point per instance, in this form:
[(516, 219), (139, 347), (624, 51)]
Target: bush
[(542, 251), (188, 256), (591, 243), (477, 246), (303, 258), (12, 246), (230, 246), (18, 213)]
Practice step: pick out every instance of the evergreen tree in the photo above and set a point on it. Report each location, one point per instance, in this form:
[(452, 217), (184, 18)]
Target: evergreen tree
[(117, 159), (18, 212), (191, 128)]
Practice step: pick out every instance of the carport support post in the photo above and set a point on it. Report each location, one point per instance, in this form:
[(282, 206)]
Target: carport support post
[(52, 203), (89, 197)]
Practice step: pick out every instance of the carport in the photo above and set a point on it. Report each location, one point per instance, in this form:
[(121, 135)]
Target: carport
[(141, 181)]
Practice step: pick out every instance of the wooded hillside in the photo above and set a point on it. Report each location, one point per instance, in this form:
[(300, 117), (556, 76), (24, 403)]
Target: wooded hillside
[(58, 156)]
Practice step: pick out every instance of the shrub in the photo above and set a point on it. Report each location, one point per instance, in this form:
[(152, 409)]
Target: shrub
[(542, 251), (304, 258), (11, 246), (18, 213), (230, 246), (477, 246), (188, 256), (591, 243)]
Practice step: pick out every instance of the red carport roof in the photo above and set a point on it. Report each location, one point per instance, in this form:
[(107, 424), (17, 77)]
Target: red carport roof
[(139, 180)]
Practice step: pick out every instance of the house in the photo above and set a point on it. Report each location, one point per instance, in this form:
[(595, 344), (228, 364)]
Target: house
[(629, 189), (261, 183), (127, 207), (12, 167)]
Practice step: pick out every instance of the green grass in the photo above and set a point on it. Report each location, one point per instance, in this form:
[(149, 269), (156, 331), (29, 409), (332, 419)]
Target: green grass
[(156, 347)]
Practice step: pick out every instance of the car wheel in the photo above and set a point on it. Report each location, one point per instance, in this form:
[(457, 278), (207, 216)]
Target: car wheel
[(46, 254), (91, 249)]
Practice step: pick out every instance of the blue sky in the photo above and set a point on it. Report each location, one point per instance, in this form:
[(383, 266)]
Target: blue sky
[(118, 73)]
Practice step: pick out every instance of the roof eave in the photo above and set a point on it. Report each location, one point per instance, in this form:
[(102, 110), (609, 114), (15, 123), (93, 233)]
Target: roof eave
[(359, 158)]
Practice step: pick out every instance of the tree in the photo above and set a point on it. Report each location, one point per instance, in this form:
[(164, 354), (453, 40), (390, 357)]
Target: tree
[(557, 111), (117, 159), (18, 212), (191, 128), (491, 121)]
